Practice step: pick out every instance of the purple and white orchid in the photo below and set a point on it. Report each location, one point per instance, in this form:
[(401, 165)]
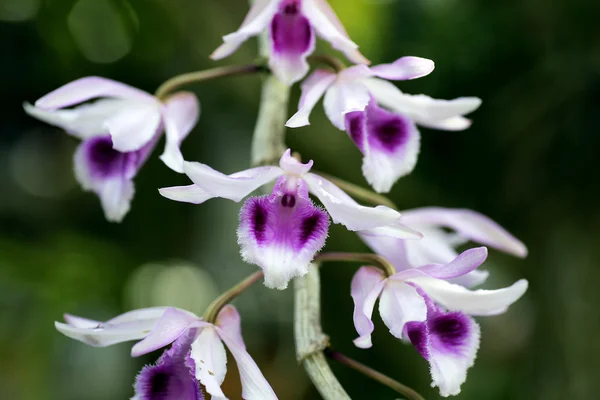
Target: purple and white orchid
[(407, 305), (118, 133), (439, 246), (292, 26), (282, 232), (197, 353), (380, 119)]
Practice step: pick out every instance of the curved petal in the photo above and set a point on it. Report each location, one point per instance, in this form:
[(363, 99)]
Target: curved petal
[(458, 123), (88, 88), (210, 358), (396, 230), (254, 384), (469, 224), (292, 40), (390, 144), (229, 321), (313, 89), (391, 248), (404, 68), (463, 264), (472, 279), (344, 96), (84, 121), (180, 114), (344, 210), (257, 20), (135, 126), (172, 324), (476, 302), (399, 304), (185, 194), (133, 325), (423, 109), (328, 26), (367, 284), (282, 232), (233, 187)]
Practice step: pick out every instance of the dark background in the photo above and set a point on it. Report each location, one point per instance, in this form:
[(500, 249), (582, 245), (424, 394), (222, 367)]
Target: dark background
[(529, 162)]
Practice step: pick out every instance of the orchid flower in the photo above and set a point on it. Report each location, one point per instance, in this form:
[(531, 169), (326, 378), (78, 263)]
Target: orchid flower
[(292, 25), (407, 305), (387, 137), (197, 353), (282, 232), (439, 246), (118, 133)]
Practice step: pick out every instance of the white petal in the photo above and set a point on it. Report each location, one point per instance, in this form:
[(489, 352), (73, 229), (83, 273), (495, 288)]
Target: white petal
[(404, 68), (254, 384), (344, 96), (185, 194), (133, 325), (135, 126), (366, 286), (258, 19), (328, 26), (313, 89), (180, 115), (472, 279), (84, 121), (89, 88), (469, 224), (400, 303), (458, 123), (344, 210), (233, 187), (477, 302), (423, 109), (210, 358)]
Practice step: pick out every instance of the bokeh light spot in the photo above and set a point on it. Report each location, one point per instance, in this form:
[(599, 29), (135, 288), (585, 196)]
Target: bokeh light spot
[(18, 10), (103, 32)]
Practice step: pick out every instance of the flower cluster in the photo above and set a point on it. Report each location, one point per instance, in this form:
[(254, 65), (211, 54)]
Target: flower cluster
[(425, 297)]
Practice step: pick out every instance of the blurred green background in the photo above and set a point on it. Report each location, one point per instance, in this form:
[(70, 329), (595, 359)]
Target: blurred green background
[(530, 161)]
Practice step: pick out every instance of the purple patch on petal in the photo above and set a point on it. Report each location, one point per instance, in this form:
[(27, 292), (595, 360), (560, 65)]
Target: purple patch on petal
[(285, 216), (282, 232), (385, 130), (418, 336), (355, 126), (290, 30), (450, 332), (257, 218), (172, 377), (106, 162)]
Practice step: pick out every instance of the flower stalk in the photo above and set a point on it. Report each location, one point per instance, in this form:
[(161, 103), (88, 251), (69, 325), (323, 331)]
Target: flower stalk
[(370, 258), (404, 390), (213, 309), (191, 77), (335, 63)]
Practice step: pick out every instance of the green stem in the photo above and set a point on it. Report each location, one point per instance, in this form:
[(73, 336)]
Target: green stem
[(210, 315), (359, 192), (404, 390), (197, 76), (370, 258), (335, 63)]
